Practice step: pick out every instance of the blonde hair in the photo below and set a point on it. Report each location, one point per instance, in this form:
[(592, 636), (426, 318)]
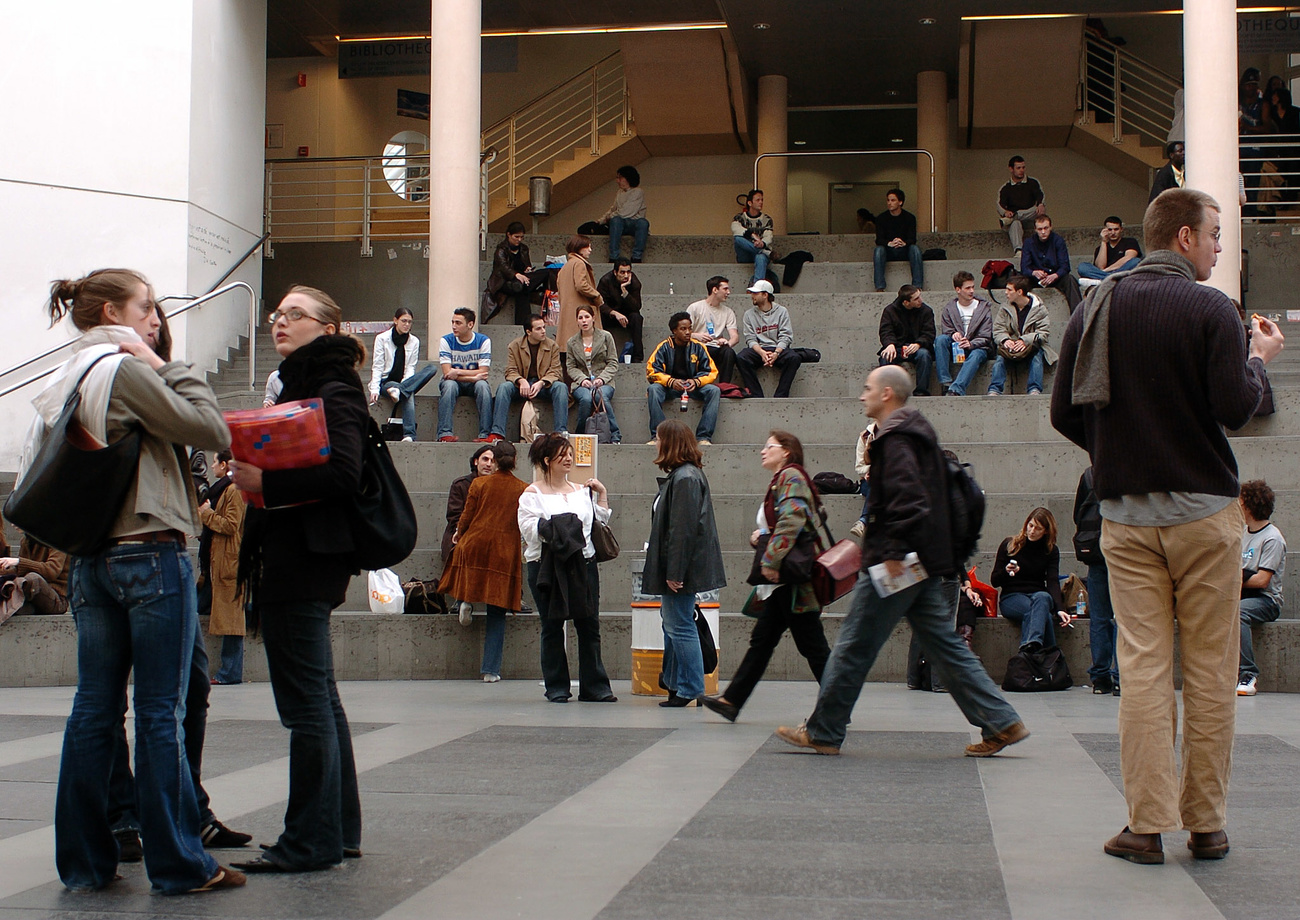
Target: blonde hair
[(330, 312)]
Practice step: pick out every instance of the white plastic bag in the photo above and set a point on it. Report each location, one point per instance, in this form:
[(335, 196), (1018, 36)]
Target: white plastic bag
[(386, 592)]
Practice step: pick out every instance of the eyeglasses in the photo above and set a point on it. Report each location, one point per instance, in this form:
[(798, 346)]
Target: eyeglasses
[(1216, 234), (293, 315)]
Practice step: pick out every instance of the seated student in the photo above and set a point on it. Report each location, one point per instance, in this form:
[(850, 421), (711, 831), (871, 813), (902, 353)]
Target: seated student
[(866, 222), (896, 240), (681, 368), (621, 292), (592, 364), (965, 336), (1020, 199), (1046, 259), (512, 278), (532, 372), (627, 214), (34, 581), (464, 357), (713, 325), (1026, 568), (907, 334), (769, 340), (751, 230), (396, 354), (1263, 563), (1115, 252), (1021, 331)]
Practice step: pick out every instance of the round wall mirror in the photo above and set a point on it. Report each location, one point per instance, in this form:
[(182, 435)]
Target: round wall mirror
[(406, 165)]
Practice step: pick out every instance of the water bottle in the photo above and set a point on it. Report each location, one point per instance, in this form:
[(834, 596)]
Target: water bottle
[(627, 353), (958, 354), (686, 399), (670, 288), (709, 327), (1080, 605)]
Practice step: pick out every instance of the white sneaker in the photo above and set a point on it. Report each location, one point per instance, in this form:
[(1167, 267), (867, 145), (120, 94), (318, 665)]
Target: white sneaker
[(1247, 687), (858, 530), (466, 613), (394, 393), (408, 438), (491, 678)]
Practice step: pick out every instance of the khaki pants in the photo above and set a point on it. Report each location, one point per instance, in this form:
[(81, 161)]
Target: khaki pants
[(1191, 574)]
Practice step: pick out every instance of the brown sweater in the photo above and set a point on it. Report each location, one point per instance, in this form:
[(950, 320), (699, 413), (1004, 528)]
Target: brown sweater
[(48, 563)]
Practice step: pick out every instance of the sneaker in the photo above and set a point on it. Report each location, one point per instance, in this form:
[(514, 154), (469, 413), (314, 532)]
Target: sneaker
[(1034, 392), (798, 736), (993, 392), (394, 394), (466, 613), (1005, 738), (1248, 687), (943, 389), (448, 439), (219, 837), (491, 678), (488, 440), (225, 878), (129, 849), (494, 437), (858, 530), (704, 442), (408, 438), (1102, 686), (651, 443)]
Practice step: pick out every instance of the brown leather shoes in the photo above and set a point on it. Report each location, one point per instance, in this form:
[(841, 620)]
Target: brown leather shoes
[(798, 736), (1005, 738), (1146, 849), (1208, 844)]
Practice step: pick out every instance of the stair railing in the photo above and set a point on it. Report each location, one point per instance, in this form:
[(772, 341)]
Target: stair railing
[(1135, 96)]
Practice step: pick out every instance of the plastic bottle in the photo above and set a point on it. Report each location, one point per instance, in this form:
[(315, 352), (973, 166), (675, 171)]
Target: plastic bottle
[(958, 354), (709, 326), (686, 399), (1080, 605), (670, 288)]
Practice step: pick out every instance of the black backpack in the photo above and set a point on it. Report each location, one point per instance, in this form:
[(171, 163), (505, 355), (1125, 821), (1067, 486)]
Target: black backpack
[(965, 509), (1030, 671), (1087, 522)]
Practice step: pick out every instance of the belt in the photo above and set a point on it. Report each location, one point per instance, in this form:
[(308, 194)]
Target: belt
[(157, 536)]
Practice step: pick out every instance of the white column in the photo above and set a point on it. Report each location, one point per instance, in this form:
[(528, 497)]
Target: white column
[(773, 136), (932, 135), (1210, 82), (454, 133)]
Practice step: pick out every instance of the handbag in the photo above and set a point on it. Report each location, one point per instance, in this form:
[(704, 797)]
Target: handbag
[(381, 516), (835, 572), (422, 597), (1030, 671), (602, 536), (708, 648), (72, 493), (598, 422)]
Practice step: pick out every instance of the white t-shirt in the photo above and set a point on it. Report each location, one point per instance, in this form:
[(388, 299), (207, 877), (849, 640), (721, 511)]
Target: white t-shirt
[(534, 507), (723, 318), (966, 314)]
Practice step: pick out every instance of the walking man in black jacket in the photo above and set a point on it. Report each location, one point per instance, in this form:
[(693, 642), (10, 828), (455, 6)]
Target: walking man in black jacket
[(907, 513)]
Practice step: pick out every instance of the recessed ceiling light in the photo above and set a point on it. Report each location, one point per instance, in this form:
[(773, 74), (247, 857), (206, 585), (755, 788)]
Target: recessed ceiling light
[(927, 21), (896, 140), (800, 143), (891, 92), (761, 26)]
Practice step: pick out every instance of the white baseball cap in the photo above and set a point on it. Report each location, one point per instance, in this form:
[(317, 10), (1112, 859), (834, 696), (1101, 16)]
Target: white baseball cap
[(764, 287)]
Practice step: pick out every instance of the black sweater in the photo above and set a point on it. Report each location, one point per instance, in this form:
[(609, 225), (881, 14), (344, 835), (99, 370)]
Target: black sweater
[(900, 326), (1039, 570), (1178, 377), (889, 227)]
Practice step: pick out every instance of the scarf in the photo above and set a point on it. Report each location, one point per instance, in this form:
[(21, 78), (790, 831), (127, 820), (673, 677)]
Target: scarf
[(1092, 364), (398, 370)]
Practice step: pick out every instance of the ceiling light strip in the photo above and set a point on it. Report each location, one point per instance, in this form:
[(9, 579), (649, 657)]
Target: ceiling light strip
[(1012, 16), (575, 30)]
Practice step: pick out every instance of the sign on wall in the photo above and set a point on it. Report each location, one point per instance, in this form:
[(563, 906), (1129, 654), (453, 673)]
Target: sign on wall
[(1268, 33), (384, 58)]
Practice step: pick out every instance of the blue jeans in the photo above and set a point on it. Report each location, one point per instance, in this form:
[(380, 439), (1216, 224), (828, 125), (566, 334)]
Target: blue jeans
[(232, 661), (923, 360), (1253, 610), (969, 368), (639, 227), (582, 396), (999, 379), (507, 393), (135, 607), (494, 640), (864, 489), (1088, 270), (747, 252), (323, 815), (1033, 612), (1101, 626), (910, 254), (867, 626), (406, 402), (683, 660), (452, 390), (709, 395)]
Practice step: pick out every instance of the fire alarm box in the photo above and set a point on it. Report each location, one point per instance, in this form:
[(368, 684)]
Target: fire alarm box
[(304, 152), (302, 79)]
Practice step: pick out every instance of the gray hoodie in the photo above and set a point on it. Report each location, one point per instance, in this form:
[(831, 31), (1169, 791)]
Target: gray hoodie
[(769, 330)]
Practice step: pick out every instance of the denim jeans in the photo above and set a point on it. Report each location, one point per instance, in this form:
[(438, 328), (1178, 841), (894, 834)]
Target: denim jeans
[(405, 404), (683, 661), (923, 360), (1253, 610), (1088, 270), (709, 395), (507, 393), (135, 608), (910, 254), (452, 390), (1033, 613), (915, 656), (582, 396), (232, 661), (494, 640), (323, 815), (593, 682), (870, 621), (639, 227), (975, 359), (998, 381), (747, 252), (1101, 626), (864, 489)]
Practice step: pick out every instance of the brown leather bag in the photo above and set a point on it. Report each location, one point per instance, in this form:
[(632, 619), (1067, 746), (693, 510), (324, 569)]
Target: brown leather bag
[(835, 572)]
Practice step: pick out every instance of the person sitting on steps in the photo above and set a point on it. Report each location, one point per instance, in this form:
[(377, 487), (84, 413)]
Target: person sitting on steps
[(713, 325), (1021, 331), (751, 230), (907, 335), (464, 357), (965, 336)]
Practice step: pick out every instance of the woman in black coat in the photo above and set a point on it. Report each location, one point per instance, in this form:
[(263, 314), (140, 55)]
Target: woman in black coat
[(297, 559)]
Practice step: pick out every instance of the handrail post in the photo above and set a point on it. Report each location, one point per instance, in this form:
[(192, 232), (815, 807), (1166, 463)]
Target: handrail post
[(623, 129), (510, 165), (252, 340), (366, 249), (1081, 93), (267, 252), (1118, 132), (595, 113)]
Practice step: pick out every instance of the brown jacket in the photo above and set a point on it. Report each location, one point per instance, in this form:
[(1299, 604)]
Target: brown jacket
[(226, 521), (48, 563), (576, 284), (517, 360), (487, 567)]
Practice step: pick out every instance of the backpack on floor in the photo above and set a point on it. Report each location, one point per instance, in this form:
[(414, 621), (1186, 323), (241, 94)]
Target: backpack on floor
[(1031, 671)]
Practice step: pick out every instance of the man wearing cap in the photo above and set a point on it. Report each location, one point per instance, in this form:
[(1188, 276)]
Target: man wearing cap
[(769, 335)]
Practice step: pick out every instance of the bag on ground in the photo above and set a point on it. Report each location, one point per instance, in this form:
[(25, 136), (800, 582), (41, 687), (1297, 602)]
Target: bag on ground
[(1032, 671), (386, 594)]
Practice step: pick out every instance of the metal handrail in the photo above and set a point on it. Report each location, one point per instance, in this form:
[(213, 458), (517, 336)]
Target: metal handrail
[(192, 301), (854, 153), (1280, 183), (1133, 93)]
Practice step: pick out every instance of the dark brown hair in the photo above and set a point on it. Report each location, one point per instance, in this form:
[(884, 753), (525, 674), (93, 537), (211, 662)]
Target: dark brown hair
[(1258, 499), (577, 243), (546, 449), (1045, 520), (84, 299), (790, 444), (503, 452), (677, 445), (1172, 210)]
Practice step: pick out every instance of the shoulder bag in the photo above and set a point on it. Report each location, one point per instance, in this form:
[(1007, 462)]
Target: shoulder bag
[(598, 422), (381, 516), (602, 536), (73, 491)]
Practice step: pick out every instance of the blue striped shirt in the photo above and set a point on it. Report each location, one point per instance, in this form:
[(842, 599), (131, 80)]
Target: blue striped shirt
[(468, 356)]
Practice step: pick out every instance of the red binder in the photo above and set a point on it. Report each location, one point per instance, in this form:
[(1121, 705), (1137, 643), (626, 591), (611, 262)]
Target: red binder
[(288, 436)]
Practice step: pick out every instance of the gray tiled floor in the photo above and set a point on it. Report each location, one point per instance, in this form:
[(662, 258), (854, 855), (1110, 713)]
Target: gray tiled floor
[(483, 801)]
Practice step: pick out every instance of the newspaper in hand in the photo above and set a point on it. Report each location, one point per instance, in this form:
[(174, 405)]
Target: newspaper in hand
[(886, 584)]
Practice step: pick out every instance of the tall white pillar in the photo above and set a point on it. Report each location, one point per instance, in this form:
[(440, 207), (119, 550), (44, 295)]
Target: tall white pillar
[(773, 136), (454, 132), (1210, 82), (932, 135)]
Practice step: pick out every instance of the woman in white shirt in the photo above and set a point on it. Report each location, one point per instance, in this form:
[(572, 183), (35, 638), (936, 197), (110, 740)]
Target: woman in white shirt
[(396, 352), (555, 519)]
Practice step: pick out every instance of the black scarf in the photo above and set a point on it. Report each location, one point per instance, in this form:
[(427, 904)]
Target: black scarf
[(398, 370)]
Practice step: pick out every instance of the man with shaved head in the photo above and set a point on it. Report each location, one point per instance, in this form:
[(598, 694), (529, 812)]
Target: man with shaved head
[(907, 512)]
